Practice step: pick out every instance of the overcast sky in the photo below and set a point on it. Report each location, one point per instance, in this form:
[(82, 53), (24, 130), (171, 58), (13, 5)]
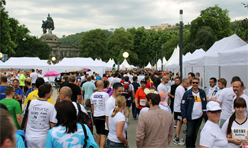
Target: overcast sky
[(75, 16)]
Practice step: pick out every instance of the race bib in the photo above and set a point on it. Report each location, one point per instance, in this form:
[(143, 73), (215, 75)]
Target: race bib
[(142, 102), (239, 133)]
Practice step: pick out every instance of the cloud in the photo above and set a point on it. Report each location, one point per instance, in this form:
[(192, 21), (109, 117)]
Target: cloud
[(82, 15)]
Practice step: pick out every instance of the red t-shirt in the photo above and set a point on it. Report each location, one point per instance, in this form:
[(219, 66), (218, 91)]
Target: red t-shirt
[(141, 96), (149, 84)]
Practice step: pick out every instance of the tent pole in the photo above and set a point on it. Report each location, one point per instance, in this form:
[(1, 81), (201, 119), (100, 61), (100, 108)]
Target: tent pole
[(204, 78), (219, 72)]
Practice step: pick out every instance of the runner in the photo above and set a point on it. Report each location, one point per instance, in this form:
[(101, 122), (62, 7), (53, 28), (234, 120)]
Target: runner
[(235, 128), (140, 96), (163, 88)]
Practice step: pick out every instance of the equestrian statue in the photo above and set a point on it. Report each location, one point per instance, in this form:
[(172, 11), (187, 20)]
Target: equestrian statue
[(48, 24)]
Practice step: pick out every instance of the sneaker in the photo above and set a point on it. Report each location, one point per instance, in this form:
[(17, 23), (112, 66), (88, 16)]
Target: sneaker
[(175, 125), (177, 141), (134, 119), (174, 139), (181, 142)]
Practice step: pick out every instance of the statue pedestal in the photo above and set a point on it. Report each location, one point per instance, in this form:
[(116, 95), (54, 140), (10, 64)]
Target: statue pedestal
[(51, 39)]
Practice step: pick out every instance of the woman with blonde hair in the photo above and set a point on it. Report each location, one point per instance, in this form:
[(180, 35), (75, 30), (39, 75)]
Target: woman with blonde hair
[(117, 125)]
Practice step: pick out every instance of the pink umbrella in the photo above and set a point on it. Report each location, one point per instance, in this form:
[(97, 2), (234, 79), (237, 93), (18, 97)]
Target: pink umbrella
[(51, 73), (86, 69)]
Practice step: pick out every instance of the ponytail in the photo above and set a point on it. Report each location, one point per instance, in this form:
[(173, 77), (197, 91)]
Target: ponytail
[(119, 102), (115, 111), (229, 127)]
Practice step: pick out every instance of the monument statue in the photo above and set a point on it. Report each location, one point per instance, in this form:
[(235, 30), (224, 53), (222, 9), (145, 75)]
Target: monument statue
[(48, 24)]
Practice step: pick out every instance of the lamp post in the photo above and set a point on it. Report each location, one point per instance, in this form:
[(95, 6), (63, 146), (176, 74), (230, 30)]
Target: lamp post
[(125, 54), (53, 59), (162, 57), (181, 45), (1, 55)]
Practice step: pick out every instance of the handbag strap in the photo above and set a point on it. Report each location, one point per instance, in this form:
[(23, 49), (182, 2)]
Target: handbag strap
[(25, 115)]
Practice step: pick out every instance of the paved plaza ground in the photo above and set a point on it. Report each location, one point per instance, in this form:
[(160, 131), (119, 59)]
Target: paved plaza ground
[(132, 130)]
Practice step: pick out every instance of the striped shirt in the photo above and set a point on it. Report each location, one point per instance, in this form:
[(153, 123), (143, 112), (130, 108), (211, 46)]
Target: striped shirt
[(154, 128)]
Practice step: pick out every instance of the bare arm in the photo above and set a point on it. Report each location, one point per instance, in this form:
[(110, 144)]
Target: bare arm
[(58, 99), (136, 102), (52, 124), (119, 134), (106, 119), (203, 147), (79, 99), (133, 93), (169, 139), (19, 119), (219, 103), (92, 109)]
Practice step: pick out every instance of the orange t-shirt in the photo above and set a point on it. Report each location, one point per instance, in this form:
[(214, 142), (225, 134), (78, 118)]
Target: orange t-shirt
[(141, 96)]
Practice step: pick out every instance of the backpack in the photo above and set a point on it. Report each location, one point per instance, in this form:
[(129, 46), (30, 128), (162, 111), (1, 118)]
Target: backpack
[(84, 118), (126, 92)]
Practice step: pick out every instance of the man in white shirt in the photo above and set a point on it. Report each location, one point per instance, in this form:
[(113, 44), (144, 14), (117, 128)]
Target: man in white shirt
[(163, 88), (213, 89), (180, 90), (34, 77), (221, 85), (225, 99), (116, 79), (98, 100), (40, 114), (238, 87), (40, 74), (140, 77), (110, 104)]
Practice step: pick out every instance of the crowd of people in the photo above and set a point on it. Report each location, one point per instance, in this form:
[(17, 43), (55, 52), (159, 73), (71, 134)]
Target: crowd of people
[(158, 99)]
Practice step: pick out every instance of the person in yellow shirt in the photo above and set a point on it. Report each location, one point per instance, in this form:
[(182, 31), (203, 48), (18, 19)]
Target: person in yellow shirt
[(34, 94)]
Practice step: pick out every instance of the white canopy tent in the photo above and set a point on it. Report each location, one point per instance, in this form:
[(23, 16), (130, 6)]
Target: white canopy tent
[(234, 62), (67, 63), (149, 66), (125, 65), (209, 60), (164, 62), (25, 63), (174, 56), (175, 64), (159, 62), (106, 65)]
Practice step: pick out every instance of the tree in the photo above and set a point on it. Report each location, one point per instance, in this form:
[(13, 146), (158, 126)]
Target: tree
[(120, 42), (93, 44), (242, 29), (215, 18)]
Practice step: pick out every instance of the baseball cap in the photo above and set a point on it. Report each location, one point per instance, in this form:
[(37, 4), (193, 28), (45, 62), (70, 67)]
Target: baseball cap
[(213, 106)]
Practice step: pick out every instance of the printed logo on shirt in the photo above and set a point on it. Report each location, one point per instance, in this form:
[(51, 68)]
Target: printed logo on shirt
[(197, 99), (66, 139), (98, 96)]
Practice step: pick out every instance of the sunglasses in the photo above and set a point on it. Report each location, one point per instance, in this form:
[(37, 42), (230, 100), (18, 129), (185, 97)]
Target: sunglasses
[(214, 112), (195, 82)]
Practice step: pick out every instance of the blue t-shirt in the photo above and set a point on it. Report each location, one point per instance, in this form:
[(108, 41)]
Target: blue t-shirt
[(2, 92), (98, 77), (19, 91), (19, 141), (29, 91), (57, 137), (88, 88)]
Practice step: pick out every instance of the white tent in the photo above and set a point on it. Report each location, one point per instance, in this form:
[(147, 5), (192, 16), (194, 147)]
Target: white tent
[(125, 65), (106, 65), (164, 62), (234, 62), (25, 63), (149, 65), (1, 62), (67, 63), (175, 64), (159, 62), (174, 56)]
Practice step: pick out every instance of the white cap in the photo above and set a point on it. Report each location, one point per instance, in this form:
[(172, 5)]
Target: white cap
[(213, 106)]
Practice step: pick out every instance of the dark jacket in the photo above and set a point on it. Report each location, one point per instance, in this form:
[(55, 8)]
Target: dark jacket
[(187, 104)]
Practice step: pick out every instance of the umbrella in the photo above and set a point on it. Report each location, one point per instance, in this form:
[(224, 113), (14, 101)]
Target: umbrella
[(86, 69), (51, 73), (74, 69)]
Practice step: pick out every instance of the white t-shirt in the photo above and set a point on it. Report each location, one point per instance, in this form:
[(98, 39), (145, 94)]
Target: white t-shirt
[(143, 110), (245, 91), (212, 91), (218, 93), (178, 97), (189, 87), (40, 75), (244, 96), (116, 80), (110, 81), (82, 78), (130, 89), (98, 99), (130, 77), (197, 108), (40, 113), (140, 78), (113, 125), (164, 88), (226, 98), (54, 119), (211, 136), (164, 107), (34, 76), (235, 125)]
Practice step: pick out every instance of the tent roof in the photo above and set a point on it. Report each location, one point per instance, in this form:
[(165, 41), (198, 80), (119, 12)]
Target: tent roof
[(125, 64), (237, 56), (196, 53), (149, 65), (17, 62), (211, 56), (174, 56), (81, 62), (175, 64)]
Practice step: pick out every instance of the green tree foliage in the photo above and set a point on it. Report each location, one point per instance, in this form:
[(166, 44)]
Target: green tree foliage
[(241, 28), (215, 18), (7, 44), (121, 41), (93, 44)]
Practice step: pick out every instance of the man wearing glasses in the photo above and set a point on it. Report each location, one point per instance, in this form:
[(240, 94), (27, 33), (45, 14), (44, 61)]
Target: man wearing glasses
[(193, 108)]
